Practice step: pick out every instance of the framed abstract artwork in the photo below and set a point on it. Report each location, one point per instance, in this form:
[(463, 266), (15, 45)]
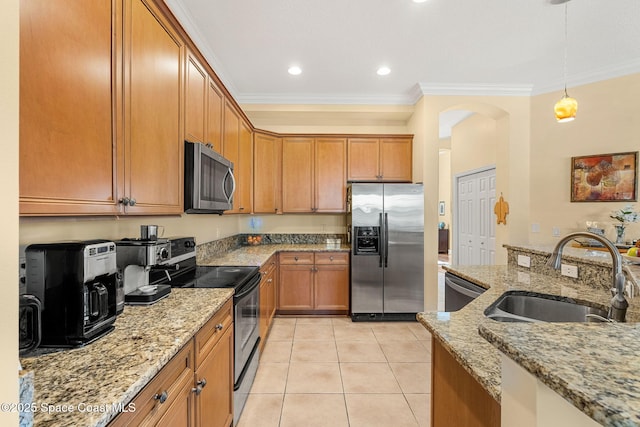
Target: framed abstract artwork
[(604, 178)]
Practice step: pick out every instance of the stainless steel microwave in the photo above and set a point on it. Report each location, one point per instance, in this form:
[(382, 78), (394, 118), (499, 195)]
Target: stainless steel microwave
[(209, 183)]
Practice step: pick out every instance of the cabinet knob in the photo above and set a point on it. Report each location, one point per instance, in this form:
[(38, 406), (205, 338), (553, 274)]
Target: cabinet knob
[(124, 201), (199, 386), (219, 327), (162, 397), (270, 280), (132, 202), (295, 258), (330, 258)]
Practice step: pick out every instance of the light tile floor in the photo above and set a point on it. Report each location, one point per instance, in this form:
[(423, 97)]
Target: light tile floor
[(331, 372)]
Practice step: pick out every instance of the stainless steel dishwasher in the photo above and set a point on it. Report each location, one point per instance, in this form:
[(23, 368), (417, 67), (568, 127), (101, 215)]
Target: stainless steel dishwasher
[(459, 292)]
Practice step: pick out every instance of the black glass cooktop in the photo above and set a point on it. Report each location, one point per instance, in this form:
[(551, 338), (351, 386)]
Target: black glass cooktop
[(214, 277)]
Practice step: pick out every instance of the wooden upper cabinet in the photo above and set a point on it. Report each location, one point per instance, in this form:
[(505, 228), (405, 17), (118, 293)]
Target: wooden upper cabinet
[(380, 159), (330, 185), (267, 174), (215, 111), (244, 169), (364, 159), (153, 105), (68, 140), (297, 175), (396, 159), (196, 100)]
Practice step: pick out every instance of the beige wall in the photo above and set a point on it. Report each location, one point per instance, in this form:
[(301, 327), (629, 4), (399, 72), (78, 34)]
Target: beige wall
[(444, 188), (607, 122), (473, 144), (9, 84)]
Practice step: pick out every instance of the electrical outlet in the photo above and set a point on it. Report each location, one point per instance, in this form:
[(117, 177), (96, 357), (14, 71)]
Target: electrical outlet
[(535, 228), (555, 231), (569, 270), (524, 261)]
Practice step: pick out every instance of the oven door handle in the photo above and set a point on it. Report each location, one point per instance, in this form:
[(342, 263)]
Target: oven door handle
[(249, 288)]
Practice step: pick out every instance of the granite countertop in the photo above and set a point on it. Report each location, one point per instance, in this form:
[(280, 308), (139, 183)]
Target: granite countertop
[(113, 369), (258, 255), (458, 331), (554, 352)]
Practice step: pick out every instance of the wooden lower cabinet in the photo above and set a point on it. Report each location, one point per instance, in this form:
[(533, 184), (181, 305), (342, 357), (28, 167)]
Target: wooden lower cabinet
[(457, 399), (313, 283), (269, 274), (196, 387), (165, 397)]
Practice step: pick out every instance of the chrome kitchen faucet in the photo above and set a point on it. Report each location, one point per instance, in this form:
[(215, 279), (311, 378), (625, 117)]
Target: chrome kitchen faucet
[(619, 305)]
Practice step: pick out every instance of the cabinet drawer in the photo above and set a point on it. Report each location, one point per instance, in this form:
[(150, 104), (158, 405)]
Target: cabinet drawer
[(156, 397), (332, 257), (296, 258), (210, 333)]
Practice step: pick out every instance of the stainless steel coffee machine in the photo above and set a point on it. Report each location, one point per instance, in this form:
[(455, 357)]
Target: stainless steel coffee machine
[(135, 258), (76, 284)]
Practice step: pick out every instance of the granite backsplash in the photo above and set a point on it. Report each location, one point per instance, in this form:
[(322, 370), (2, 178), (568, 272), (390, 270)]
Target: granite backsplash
[(227, 244)]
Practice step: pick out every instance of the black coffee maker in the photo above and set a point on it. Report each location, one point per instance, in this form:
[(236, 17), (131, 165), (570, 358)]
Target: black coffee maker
[(76, 283)]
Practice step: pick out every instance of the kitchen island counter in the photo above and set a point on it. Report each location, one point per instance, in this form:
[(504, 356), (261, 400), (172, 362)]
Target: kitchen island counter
[(459, 334), (81, 386)]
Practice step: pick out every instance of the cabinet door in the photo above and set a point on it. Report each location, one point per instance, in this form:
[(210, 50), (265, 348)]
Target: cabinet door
[(295, 288), (69, 81), (244, 169), (297, 175), (214, 404), (215, 110), (396, 159), (331, 287), (230, 145), (267, 174), (363, 159), (153, 108), (180, 413), (330, 174), (196, 100)]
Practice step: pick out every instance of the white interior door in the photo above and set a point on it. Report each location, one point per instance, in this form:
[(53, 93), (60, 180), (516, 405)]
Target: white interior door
[(474, 231)]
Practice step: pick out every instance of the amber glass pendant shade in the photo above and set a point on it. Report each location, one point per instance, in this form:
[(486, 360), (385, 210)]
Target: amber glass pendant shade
[(566, 109)]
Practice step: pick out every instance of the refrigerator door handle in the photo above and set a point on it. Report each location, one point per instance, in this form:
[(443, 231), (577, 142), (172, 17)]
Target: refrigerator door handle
[(386, 240), (381, 237)]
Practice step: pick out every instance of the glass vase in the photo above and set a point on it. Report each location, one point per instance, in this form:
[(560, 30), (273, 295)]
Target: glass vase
[(619, 233)]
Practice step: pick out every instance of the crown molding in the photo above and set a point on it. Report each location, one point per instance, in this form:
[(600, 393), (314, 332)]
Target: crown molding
[(600, 74), (186, 20), (328, 99), (464, 89)]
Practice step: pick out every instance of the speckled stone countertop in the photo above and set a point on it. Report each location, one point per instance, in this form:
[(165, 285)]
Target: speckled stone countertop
[(258, 255), (113, 369), (458, 331), (594, 366)]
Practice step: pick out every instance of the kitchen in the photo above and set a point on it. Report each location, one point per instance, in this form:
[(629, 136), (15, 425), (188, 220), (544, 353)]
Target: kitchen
[(531, 159)]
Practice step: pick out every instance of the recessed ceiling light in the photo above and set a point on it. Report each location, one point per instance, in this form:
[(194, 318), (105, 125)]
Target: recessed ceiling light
[(383, 71), (419, 1), (295, 70)]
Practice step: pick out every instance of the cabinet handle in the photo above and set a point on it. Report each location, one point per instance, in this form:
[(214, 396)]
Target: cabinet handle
[(330, 258), (219, 327), (132, 202), (295, 258), (199, 386), (125, 201), (270, 280), (162, 397), (240, 208)]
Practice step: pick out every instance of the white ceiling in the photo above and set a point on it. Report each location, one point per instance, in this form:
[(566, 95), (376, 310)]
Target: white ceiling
[(503, 47)]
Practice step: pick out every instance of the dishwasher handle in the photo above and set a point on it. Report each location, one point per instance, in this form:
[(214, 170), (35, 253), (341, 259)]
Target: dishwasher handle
[(464, 287)]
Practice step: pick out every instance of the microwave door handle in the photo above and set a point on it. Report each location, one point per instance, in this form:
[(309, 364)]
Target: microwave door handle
[(233, 185)]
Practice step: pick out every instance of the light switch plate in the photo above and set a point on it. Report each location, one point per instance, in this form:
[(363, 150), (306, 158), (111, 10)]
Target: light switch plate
[(569, 270), (524, 261)]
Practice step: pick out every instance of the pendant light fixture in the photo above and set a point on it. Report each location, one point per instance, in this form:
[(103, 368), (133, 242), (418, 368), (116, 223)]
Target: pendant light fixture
[(565, 109)]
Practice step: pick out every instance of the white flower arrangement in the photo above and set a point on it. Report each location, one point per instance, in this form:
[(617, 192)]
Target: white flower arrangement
[(625, 215)]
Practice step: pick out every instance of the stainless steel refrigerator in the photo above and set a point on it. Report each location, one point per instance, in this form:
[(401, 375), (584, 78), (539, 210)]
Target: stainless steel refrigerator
[(386, 225)]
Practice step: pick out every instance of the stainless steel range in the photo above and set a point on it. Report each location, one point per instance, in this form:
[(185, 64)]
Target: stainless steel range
[(246, 302)]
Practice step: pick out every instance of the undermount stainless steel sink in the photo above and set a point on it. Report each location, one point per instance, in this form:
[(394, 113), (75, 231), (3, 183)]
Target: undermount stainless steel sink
[(522, 306)]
